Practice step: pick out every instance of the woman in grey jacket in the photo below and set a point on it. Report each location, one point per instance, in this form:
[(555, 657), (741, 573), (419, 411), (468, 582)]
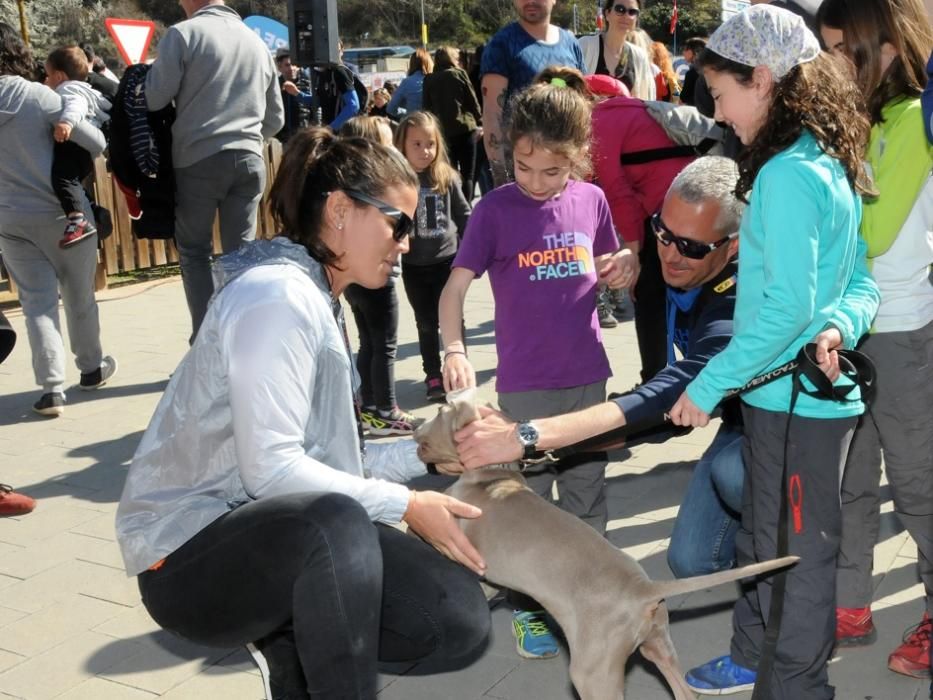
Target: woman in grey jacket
[(253, 511), (31, 224)]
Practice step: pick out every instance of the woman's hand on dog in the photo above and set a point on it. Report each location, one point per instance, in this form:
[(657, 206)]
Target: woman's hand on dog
[(490, 440), (433, 517)]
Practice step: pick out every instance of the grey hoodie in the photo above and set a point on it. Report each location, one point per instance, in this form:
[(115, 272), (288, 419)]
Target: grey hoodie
[(28, 112), (224, 83)]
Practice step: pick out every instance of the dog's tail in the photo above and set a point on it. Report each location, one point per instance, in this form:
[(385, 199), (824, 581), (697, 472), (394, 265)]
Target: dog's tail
[(666, 589)]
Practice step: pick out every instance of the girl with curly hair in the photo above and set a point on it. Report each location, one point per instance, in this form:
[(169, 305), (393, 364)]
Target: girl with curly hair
[(802, 278)]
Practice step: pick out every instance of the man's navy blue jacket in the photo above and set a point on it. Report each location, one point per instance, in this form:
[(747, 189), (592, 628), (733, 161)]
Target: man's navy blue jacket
[(699, 334)]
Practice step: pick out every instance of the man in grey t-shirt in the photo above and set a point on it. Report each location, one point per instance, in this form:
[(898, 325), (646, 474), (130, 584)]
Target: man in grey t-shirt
[(224, 83)]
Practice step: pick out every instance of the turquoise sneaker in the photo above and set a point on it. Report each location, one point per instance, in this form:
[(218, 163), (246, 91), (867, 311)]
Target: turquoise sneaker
[(533, 637), (720, 676)]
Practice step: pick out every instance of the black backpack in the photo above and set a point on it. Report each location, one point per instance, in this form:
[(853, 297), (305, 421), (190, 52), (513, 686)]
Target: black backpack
[(362, 92)]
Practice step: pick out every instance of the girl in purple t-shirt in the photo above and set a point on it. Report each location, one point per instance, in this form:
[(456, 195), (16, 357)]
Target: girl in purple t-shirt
[(547, 242)]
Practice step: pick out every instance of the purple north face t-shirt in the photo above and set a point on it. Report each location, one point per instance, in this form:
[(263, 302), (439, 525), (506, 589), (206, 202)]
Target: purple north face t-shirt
[(541, 262)]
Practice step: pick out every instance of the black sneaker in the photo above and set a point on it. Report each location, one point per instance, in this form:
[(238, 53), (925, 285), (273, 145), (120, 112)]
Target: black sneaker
[(51, 404), (434, 389), (617, 304), (104, 221), (606, 319), (100, 376)]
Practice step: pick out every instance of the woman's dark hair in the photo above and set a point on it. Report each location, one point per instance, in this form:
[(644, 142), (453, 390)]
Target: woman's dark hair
[(816, 96), (868, 24), (609, 4), (15, 58), (318, 162)]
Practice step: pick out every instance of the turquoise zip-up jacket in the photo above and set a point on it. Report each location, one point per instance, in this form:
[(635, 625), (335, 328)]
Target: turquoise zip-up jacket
[(802, 269)]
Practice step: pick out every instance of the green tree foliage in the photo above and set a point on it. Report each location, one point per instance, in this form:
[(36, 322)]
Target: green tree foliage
[(694, 18)]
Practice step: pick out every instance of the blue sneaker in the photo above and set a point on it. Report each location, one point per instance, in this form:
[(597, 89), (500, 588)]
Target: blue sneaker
[(720, 676), (533, 637)]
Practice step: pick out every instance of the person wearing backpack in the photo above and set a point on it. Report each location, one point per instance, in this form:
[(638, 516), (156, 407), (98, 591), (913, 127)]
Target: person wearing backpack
[(341, 94)]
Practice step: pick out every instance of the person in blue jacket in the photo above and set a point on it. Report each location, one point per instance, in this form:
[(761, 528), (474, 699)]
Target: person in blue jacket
[(407, 97), (803, 278)]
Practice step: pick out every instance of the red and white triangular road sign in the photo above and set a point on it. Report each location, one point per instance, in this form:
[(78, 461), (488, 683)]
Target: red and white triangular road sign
[(132, 37)]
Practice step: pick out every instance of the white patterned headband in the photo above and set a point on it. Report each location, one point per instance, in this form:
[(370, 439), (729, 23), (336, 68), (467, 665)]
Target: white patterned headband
[(764, 35)]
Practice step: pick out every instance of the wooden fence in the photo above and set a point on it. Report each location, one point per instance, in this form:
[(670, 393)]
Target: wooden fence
[(122, 252)]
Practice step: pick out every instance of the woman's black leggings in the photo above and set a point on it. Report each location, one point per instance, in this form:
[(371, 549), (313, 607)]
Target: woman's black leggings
[(313, 570)]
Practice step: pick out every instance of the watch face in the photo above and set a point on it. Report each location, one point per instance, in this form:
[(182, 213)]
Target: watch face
[(527, 433)]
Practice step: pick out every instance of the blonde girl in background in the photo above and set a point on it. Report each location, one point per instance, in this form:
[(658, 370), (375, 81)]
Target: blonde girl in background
[(440, 220)]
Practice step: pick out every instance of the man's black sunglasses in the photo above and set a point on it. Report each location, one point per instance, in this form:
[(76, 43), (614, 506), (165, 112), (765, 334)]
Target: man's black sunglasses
[(689, 249), (403, 223), (623, 10)]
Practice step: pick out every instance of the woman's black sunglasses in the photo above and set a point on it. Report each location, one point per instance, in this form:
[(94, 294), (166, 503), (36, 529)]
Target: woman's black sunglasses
[(689, 249), (623, 10), (403, 223)]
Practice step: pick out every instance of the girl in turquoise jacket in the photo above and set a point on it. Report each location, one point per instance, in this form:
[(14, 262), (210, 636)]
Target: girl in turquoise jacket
[(802, 278), (886, 45)]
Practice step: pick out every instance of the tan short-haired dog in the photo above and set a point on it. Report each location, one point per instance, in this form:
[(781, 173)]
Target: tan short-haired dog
[(580, 578)]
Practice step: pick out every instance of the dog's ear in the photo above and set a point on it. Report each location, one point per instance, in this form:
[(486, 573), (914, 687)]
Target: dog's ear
[(463, 401)]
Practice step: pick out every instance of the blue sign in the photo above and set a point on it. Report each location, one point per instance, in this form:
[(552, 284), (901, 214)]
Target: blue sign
[(274, 34)]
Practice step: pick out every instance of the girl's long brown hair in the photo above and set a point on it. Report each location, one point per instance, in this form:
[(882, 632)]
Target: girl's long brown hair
[(815, 96), (865, 26)]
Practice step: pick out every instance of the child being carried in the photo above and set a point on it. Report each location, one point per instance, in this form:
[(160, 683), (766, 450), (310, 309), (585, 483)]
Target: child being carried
[(66, 72)]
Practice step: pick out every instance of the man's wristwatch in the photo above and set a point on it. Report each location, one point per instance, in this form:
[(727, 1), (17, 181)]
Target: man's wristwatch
[(528, 437)]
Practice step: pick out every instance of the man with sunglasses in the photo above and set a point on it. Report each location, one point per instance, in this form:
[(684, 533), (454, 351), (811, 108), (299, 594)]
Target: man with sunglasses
[(696, 230)]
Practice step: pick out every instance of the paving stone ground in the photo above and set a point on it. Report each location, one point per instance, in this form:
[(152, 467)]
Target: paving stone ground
[(71, 622)]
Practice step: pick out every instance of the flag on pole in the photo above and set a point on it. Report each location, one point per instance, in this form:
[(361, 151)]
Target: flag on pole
[(674, 19)]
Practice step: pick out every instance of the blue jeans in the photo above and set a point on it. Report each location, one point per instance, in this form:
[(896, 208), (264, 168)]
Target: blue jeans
[(703, 540)]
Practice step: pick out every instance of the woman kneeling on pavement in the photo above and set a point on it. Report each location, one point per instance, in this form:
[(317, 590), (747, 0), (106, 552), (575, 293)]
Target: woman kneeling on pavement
[(252, 512)]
